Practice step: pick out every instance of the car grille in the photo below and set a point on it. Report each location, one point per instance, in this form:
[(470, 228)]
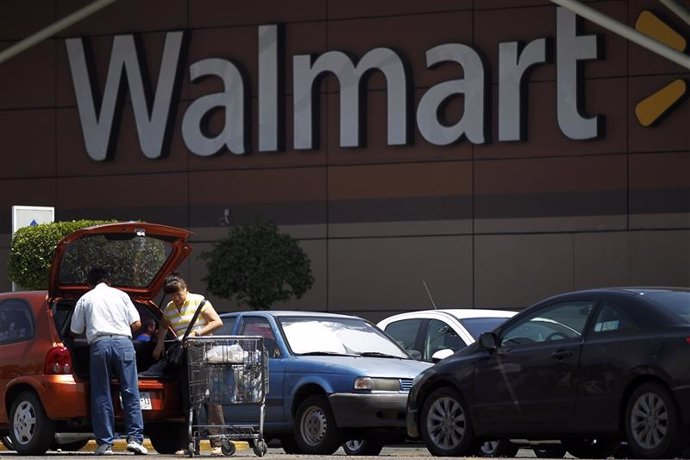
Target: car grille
[(405, 385)]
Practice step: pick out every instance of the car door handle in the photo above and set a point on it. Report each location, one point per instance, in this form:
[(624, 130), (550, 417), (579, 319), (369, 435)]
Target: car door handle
[(562, 354)]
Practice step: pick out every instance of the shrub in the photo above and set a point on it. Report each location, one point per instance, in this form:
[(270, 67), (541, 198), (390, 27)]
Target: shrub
[(258, 266), (32, 249)]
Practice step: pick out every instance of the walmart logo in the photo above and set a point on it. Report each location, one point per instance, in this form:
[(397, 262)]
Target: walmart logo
[(654, 106)]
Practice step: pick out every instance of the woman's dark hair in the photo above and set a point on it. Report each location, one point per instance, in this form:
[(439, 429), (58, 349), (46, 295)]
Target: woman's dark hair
[(174, 283)]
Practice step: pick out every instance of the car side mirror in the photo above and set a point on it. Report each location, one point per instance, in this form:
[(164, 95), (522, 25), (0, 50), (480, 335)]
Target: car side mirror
[(488, 340), (415, 354), (441, 354)]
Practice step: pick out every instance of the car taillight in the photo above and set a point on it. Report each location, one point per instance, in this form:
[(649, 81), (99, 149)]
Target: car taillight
[(58, 361)]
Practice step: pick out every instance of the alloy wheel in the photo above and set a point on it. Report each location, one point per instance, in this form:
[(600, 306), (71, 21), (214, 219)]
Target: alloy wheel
[(649, 420)]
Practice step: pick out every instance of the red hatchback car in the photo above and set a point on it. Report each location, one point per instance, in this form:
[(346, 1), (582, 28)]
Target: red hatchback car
[(44, 374)]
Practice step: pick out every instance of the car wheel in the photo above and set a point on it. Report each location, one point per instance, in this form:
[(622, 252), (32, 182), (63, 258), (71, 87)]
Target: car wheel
[(31, 431), (445, 425), (652, 423), (289, 444), (362, 447), (168, 438), (500, 448), (316, 432), (549, 452), (590, 447)]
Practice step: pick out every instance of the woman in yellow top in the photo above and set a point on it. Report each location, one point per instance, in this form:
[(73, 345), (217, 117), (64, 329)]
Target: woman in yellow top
[(178, 314)]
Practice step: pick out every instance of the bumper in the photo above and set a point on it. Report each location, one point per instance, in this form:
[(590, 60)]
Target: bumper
[(412, 430), (369, 410)]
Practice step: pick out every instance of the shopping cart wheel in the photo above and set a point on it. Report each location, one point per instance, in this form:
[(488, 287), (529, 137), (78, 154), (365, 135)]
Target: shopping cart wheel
[(191, 449), (260, 448), (228, 448)]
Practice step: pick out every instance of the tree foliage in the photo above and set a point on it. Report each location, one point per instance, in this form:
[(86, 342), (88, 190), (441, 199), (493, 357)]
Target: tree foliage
[(258, 266), (32, 249)]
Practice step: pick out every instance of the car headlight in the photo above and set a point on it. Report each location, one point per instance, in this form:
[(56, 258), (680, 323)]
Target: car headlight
[(377, 384)]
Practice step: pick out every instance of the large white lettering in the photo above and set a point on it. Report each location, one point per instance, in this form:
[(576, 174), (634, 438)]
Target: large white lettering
[(153, 118)]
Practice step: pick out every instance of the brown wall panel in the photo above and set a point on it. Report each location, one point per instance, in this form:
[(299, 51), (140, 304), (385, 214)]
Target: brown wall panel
[(600, 260), (513, 271), (215, 13), (28, 138), (386, 273), (660, 258), (353, 9), (21, 18), (33, 192), (27, 80), (124, 16)]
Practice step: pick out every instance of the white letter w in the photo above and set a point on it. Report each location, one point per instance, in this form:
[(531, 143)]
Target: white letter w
[(152, 126)]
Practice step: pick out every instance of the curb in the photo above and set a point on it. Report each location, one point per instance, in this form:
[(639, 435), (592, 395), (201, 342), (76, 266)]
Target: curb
[(121, 444)]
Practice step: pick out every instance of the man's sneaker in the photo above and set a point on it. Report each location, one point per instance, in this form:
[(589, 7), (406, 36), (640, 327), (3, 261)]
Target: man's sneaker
[(104, 449), (138, 449)]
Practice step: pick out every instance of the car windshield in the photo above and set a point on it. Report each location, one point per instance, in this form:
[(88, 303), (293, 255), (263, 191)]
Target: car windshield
[(675, 302), (475, 326), (131, 260), (337, 336)]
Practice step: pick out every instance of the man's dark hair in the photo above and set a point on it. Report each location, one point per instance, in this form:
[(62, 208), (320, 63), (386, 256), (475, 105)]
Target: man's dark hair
[(97, 275)]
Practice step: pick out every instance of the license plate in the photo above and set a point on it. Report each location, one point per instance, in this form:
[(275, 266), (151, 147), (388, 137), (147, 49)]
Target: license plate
[(144, 400)]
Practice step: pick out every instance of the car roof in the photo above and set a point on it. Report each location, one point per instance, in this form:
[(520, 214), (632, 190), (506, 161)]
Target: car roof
[(117, 247), (284, 313), (458, 313)]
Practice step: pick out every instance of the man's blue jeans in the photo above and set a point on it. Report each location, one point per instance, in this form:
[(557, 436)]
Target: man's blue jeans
[(114, 357)]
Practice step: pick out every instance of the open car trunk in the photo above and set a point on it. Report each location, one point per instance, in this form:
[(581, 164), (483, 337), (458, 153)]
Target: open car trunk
[(79, 348)]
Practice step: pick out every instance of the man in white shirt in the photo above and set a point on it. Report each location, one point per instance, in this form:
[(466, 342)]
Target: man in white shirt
[(108, 317)]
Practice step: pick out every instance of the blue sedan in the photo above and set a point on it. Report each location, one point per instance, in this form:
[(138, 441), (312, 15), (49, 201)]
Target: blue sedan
[(332, 378)]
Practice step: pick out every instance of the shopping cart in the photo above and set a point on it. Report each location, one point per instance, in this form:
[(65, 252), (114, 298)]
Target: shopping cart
[(223, 371)]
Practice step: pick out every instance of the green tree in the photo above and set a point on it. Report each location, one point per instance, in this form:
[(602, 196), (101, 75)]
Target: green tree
[(32, 249), (258, 266)]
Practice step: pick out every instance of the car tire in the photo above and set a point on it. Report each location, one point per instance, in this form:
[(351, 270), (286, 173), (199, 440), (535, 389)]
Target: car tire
[(442, 438), (168, 438), (499, 448), (316, 432), (590, 447), (289, 445), (7, 442), (31, 431), (549, 452), (362, 447), (652, 423)]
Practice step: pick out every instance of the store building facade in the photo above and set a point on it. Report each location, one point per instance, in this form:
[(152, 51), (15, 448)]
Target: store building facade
[(496, 151)]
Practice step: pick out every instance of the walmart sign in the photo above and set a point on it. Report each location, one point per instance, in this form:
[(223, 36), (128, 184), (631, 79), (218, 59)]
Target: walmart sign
[(152, 114)]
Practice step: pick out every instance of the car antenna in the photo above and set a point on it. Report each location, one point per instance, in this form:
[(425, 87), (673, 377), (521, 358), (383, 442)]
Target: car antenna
[(429, 293)]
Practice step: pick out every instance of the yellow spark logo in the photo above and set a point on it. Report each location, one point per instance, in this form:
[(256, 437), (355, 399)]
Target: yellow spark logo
[(653, 107)]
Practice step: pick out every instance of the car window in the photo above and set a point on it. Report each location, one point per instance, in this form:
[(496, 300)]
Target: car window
[(611, 320), (440, 336), (16, 321), (228, 325), (405, 332), (556, 322), (476, 326), (255, 325)]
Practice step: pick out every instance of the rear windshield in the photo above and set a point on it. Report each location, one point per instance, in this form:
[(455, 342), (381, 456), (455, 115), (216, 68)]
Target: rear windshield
[(131, 260), (476, 326), (675, 302)]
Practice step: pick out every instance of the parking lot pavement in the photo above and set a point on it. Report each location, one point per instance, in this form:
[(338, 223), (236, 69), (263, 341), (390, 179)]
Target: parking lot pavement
[(406, 452)]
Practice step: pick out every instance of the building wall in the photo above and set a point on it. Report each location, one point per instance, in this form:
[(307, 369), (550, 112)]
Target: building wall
[(499, 224)]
